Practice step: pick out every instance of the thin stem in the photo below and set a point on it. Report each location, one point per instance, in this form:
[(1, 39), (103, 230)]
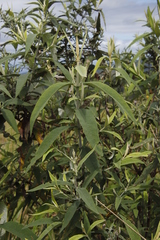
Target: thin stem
[(121, 219)]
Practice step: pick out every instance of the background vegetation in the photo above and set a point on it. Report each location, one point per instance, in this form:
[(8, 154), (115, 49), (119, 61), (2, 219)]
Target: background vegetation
[(83, 155)]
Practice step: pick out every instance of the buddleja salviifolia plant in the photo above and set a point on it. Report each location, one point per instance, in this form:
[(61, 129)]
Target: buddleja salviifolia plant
[(80, 149), (143, 68)]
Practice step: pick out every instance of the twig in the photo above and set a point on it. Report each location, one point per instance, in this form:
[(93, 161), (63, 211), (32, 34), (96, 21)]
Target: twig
[(121, 220)]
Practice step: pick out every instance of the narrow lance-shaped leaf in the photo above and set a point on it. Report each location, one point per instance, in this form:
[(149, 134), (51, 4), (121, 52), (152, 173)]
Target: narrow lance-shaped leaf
[(89, 178), (69, 214), (64, 71), (11, 56), (3, 89), (127, 161), (132, 158), (91, 162), (21, 82), (70, 44), (6, 58), (48, 229), (40, 221), (96, 223), (117, 202), (138, 38), (48, 140), (30, 39), (8, 115), (5, 176), (49, 185), (16, 101), (114, 134), (17, 230), (127, 77), (147, 171), (41, 103), (140, 52), (116, 96), (77, 237), (89, 125), (85, 158), (139, 154), (157, 235), (137, 145), (87, 199), (86, 224), (133, 234), (98, 64)]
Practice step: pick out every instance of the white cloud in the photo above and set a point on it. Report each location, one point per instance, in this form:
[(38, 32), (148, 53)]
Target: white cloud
[(121, 17), (15, 5)]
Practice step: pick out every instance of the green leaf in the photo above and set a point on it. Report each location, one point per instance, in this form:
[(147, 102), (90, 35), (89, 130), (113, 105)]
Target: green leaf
[(87, 199), (85, 158), (132, 234), (92, 162), (64, 71), (5, 176), (127, 161), (140, 52), (70, 43), (41, 221), (48, 140), (3, 89), (116, 96), (97, 65), (86, 223), (21, 82), (69, 214), (6, 58), (152, 166), (127, 77), (116, 178), (48, 229), (137, 145), (30, 39), (11, 56), (139, 154), (16, 101), (89, 178), (8, 115), (50, 185), (81, 70), (138, 38), (114, 134), (89, 125), (77, 237), (157, 235), (118, 202), (96, 223), (41, 103), (17, 230)]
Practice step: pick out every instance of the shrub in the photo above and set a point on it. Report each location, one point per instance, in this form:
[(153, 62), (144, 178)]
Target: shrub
[(86, 158)]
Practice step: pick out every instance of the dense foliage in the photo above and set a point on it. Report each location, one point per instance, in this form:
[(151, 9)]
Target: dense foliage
[(82, 125)]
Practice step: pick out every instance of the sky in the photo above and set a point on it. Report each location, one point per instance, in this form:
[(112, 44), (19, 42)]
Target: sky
[(121, 18)]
